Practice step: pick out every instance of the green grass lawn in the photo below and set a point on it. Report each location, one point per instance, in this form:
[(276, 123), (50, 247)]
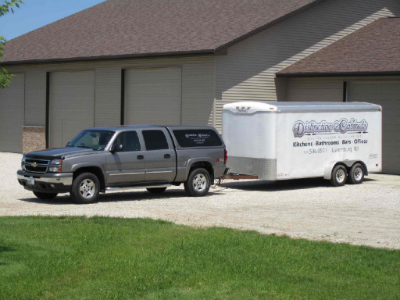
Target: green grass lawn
[(110, 258)]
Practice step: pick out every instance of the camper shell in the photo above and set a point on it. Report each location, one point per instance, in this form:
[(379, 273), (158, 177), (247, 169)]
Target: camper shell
[(289, 140)]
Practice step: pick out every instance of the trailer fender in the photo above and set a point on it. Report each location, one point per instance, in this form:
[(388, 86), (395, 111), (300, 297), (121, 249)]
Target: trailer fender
[(328, 170)]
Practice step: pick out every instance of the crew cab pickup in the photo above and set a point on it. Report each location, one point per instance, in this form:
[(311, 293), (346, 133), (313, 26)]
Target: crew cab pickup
[(101, 159)]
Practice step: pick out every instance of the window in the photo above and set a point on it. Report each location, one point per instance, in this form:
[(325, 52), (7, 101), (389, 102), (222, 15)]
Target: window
[(129, 140), (155, 140), (197, 138), (94, 139)]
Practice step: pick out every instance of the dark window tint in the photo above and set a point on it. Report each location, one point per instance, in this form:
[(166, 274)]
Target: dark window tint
[(155, 140), (129, 140), (197, 138)]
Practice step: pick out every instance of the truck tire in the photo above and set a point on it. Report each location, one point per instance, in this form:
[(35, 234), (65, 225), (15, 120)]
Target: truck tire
[(45, 196), (85, 188), (198, 183), (356, 175), (339, 176), (156, 190)]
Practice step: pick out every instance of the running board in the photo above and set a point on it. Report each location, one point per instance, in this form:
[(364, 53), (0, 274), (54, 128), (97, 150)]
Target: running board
[(117, 188)]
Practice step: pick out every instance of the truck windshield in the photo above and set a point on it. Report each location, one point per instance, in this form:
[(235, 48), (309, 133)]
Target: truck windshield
[(92, 139)]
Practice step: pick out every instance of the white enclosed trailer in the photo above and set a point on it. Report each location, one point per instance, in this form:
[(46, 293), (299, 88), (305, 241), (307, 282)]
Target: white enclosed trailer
[(288, 140)]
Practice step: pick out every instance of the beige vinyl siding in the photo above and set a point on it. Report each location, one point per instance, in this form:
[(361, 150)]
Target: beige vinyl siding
[(35, 98), (248, 71), (12, 114), (108, 96)]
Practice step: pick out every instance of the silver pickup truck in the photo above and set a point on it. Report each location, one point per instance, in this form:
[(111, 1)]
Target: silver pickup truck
[(110, 158)]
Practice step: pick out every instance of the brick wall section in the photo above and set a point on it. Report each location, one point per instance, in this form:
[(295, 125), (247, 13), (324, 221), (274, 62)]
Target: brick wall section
[(33, 138)]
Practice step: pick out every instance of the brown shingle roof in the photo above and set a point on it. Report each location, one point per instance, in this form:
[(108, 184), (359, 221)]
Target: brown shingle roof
[(372, 49), (124, 28)]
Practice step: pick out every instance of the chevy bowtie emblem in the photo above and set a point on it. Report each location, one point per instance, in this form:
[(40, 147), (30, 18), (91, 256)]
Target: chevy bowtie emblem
[(34, 165)]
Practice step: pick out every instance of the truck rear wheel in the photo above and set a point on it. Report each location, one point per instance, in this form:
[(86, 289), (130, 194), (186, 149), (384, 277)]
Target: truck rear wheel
[(339, 176), (85, 188), (45, 196), (198, 183), (356, 175)]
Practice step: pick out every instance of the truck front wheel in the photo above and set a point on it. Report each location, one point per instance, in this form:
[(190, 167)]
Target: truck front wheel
[(339, 176), (198, 183), (85, 188), (356, 175)]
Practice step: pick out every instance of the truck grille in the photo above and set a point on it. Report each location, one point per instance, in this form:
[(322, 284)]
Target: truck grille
[(35, 165)]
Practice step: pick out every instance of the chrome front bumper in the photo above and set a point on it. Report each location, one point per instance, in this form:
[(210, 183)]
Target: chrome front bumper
[(64, 178), (47, 182)]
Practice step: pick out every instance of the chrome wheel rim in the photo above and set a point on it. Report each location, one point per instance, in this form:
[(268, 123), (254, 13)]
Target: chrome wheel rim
[(200, 182), (87, 188), (358, 173), (340, 175)]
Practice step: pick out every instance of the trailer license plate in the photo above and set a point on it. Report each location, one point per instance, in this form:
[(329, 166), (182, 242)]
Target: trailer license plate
[(31, 181)]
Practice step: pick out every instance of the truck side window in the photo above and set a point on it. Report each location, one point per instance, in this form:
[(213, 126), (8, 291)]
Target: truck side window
[(155, 140), (129, 140)]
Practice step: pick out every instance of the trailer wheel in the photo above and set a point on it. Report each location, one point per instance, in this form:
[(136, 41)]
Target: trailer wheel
[(339, 176), (198, 183), (356, 175)]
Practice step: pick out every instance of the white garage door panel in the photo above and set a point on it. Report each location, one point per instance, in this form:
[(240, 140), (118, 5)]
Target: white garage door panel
[(153, 96), (386, 94), (71, 105), (12, 115)]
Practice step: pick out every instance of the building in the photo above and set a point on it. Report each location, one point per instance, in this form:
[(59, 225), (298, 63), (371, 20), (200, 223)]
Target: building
[(179, 62)]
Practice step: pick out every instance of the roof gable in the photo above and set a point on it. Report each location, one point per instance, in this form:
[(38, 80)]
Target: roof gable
[(373, 49), (126, 28)]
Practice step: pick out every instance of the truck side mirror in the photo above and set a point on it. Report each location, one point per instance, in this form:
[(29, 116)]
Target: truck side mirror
[(117, 148)]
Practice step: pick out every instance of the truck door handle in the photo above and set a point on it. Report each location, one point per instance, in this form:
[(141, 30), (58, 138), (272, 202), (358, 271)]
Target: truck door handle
[(166, 156), (140, 157)]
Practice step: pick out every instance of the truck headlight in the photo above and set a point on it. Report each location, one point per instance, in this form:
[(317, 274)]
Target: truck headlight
[(58, 165), (23, 162), (56, 162)]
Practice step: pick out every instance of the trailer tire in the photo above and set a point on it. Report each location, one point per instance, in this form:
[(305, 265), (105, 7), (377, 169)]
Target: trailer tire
[(339, 175), (198, 183), (356, 175)]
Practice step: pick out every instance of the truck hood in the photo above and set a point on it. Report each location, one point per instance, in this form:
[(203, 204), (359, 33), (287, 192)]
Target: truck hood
[(58, 152)]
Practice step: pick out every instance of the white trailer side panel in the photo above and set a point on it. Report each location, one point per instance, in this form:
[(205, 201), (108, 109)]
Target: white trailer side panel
[(309, 142)]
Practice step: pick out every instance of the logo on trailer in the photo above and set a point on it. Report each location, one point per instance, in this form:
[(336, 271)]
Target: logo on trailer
[(301, 128)]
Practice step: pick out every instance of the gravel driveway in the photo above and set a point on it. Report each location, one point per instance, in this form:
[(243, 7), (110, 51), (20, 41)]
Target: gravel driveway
[(366, 214)]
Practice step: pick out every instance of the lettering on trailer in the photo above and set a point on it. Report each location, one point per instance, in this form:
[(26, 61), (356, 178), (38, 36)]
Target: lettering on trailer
[(343, 126)]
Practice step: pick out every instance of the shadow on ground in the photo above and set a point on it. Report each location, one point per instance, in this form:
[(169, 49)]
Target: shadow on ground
[(65, 199), (284, 185)]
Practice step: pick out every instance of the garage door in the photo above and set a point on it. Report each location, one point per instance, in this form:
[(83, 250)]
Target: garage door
[(153, 96), (386, 94), (12, 115), (71, 107)]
